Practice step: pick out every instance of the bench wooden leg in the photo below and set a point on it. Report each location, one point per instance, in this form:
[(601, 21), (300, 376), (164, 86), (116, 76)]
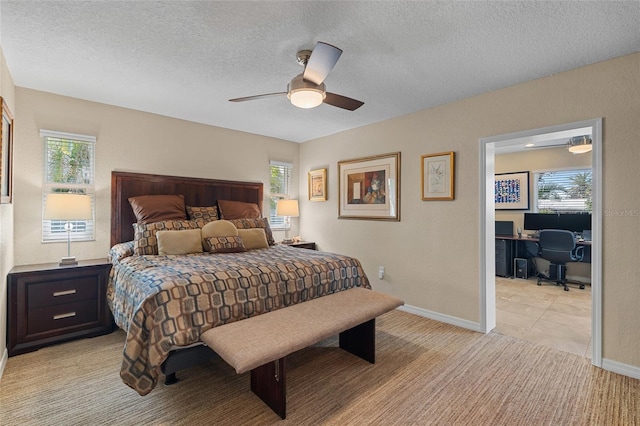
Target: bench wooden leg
[(269, 382), (361, 340)]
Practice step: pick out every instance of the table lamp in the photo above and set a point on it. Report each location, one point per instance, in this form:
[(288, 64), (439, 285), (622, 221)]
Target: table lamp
[(69, 207), (288, 209)]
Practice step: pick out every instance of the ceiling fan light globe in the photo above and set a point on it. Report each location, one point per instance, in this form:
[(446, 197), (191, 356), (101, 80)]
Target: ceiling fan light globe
[(579, 145), (306, 98)]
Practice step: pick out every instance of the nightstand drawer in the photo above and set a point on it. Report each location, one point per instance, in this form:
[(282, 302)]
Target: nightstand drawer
[(62, 316), (67, 290)]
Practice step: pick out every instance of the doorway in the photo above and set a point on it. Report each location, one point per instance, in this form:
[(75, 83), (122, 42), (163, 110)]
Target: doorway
[(488, 148)]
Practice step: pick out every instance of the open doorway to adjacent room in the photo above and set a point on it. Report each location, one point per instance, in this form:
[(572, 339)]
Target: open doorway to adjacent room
[(556, 181)]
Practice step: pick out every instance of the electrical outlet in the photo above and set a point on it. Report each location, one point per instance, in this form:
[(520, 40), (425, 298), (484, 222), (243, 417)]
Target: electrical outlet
[(381, 272)]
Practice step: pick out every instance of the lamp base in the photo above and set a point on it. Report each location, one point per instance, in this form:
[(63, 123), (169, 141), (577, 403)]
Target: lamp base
[(67, 261), (287, 241)]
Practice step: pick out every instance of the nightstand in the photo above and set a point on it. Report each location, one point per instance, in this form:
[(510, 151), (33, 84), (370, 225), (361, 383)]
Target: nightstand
[(303, 244), (49, 304)]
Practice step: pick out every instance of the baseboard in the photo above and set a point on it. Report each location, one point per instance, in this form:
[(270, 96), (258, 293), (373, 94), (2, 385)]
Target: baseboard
[(459, 322), (620, 368), (3, 361)]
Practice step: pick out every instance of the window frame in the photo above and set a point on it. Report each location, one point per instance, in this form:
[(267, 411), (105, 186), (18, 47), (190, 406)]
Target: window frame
[(83, 230), (278, 222), (577, 170)]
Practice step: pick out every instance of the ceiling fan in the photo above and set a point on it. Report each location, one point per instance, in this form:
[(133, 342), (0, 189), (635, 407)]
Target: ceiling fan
[(307, 90)]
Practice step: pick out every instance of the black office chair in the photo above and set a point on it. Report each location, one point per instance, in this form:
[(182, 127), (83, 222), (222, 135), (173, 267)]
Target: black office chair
[(558, 246)]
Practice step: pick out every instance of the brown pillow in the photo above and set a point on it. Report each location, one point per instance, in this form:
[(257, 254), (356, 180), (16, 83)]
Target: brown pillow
[(155, 208), (145, 240), (238, 210), (232, 244), (207, 214)]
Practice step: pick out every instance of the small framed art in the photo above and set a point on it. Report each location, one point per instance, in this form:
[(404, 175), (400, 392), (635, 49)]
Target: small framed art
[(318, 185), (512, 191), (438, 171), (369, 188)]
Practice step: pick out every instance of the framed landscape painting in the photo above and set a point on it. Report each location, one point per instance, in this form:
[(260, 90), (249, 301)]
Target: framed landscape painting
[(512, 191), (369, 188)]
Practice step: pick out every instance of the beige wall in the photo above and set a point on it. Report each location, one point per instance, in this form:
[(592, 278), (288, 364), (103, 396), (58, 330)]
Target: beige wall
[(432, 255), (126, 140), (7, 91)]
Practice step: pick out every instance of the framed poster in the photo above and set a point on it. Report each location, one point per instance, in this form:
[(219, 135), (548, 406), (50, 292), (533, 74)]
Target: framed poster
[(318, 185), (512, 191), (369, 188), (438, 172), (6, 152)]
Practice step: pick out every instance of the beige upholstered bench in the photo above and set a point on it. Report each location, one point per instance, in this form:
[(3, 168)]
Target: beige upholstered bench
[(261, 343)]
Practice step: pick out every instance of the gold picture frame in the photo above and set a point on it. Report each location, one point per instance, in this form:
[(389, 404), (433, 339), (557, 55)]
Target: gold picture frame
[(318, 185), (369, 188), (6, 153), (438, 176)]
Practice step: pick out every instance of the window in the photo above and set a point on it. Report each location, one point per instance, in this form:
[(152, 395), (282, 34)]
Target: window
[(563, 191), (280, 189), (69, 166)]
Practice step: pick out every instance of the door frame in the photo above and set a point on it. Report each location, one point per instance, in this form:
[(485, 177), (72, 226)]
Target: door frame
[(487, 227)]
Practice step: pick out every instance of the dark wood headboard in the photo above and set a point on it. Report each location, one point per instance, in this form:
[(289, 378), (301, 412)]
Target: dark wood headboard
[(197, 192)]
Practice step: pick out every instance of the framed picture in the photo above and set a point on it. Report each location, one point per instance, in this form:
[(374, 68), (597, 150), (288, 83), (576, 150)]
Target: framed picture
[(369, 188), (6, 151), (318, 185), (512, 191), (438, 172)]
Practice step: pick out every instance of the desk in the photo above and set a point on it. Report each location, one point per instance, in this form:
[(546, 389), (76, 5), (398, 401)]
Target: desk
[(509, 247)]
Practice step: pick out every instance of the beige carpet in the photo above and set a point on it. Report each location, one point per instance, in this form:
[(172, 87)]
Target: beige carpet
[(427, 373)]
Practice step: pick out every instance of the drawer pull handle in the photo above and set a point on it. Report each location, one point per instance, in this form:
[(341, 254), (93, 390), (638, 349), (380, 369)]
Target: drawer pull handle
[(62, 316), (64, 293)]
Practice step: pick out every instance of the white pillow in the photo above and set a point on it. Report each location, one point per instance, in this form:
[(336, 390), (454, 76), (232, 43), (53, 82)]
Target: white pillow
[(179, 242)]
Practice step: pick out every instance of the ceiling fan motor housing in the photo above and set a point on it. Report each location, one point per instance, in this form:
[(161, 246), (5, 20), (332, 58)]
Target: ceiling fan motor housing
[(305, 94)]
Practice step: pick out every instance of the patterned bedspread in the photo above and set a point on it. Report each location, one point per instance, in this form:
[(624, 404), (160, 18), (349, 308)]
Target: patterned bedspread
[(165, 301)]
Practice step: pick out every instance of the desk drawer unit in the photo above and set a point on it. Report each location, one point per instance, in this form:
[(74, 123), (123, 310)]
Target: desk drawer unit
[(49, 304)]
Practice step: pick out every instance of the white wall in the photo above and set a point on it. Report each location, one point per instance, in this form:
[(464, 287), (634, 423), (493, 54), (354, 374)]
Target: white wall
[(432, 255)]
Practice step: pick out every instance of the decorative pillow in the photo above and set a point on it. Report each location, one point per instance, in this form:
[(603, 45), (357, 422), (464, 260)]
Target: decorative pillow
[(205, 213), (262, 222), (233, 244), (120, 251), (154, 208), (253, 238), (238, 210), (145, 240), (179, 242), (219, 228)]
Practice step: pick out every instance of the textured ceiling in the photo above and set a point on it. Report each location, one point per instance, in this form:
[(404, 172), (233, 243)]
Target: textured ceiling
[(185, 59)]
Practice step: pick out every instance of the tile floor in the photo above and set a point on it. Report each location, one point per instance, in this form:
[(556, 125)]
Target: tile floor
[(545, 314)]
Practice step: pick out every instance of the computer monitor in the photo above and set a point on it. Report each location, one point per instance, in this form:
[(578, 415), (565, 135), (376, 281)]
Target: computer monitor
[(538, 221), (504, 228), (576, 222)]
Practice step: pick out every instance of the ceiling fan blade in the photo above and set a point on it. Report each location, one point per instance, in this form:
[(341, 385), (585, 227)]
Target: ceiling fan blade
[(323, 58), (342, 102), (251, 98)]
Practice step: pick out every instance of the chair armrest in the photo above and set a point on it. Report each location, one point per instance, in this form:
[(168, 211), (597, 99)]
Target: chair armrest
[(579, 253)]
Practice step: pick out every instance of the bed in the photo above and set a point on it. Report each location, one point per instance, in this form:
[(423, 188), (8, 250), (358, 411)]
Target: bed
[(165, 302)]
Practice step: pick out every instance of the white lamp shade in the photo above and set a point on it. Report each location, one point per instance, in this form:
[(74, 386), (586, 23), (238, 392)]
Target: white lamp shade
[(66, 206), (287, 208)]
